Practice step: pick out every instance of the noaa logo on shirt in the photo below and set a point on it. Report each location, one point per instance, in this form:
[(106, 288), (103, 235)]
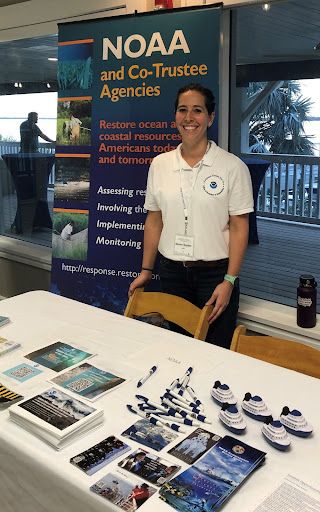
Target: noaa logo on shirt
[(213, 185)]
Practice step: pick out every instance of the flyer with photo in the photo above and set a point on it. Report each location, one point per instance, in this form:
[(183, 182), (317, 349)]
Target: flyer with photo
[(95, 458), (55, 417), (207, 484), (149, 466), (147, 434), (22, 372), (88, 381), (195, 445), (56, 408), (124, 493), (58, 356)]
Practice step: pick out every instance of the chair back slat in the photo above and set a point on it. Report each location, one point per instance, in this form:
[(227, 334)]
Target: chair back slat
[(288, 354), (173, 308)]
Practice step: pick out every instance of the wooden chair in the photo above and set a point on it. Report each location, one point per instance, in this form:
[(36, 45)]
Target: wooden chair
[(174, 309), (288, 354)]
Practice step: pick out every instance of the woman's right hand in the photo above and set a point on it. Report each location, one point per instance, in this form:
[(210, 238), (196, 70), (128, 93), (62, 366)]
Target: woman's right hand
[(140, 282)]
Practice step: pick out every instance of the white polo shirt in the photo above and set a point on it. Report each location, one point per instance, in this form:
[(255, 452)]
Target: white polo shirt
[(213, 190)]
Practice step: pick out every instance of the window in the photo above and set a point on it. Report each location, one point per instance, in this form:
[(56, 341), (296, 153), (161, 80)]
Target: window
[(275, 114), (27, 96)]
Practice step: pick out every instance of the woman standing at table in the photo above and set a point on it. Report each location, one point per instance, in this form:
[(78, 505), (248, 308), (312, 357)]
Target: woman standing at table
[(198, 200)]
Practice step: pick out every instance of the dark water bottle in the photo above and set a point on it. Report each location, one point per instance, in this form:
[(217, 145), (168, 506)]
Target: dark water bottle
[(307, 301)]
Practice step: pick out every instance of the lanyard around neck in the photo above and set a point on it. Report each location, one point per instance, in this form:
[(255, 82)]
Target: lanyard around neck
[(185, 209)]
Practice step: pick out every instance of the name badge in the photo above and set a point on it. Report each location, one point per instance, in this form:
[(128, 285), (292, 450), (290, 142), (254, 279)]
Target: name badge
[(184, 245)]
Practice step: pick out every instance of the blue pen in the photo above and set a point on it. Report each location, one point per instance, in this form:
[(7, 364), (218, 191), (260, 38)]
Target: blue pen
[(139, 413), (184, 413), (193, 396), (183, 405), (151, 403), (146, 377), (183, 400), (185, 421), (174, 383), (156, 421), (184, 384)]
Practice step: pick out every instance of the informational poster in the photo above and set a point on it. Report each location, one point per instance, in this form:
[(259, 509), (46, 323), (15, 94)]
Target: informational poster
[(118, 79)]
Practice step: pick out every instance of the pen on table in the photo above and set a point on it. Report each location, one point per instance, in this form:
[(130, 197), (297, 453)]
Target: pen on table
[(157, 421), (193, 396), (154, 419), (146, 377), (181, 404), (185, 421), (186, 413), (184, 384), (187, 374), (192, 405), (150, 402), (174, 383)]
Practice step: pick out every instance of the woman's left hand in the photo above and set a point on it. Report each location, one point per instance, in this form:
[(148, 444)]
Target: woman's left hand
[(219, 299)]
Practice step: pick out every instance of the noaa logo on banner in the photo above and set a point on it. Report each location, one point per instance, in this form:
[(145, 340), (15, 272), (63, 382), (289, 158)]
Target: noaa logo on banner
[(213, 185)]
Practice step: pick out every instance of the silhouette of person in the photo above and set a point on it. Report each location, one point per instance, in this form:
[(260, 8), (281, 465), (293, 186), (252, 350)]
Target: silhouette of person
[(30, 133)]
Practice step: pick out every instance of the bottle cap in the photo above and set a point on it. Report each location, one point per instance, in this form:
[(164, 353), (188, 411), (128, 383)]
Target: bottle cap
[(308, 281)]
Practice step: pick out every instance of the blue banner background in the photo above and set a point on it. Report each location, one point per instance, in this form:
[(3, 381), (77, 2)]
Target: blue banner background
[(102, 278)]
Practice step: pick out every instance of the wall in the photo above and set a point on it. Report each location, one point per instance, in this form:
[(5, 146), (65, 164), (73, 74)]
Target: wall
[(16, 278)]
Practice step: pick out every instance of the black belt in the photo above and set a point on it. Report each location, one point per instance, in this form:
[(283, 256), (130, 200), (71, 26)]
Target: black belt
[(201, 263)]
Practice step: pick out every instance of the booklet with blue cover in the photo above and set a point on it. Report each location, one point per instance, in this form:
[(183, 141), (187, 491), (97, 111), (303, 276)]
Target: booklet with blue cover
[(209, 482)]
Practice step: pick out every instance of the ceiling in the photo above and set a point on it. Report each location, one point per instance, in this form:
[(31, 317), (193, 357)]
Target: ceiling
[(287, 32)]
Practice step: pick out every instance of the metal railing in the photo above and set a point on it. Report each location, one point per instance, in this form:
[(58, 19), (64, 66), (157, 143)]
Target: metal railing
[(290, 188)]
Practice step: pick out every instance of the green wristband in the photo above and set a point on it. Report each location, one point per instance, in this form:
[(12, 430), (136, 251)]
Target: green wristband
[(231, 279)]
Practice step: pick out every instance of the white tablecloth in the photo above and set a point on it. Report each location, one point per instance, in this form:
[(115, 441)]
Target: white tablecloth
[(36, 478)]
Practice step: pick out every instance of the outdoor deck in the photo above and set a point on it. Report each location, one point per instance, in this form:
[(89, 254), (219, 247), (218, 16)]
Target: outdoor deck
[(271, 269), (287, 249)]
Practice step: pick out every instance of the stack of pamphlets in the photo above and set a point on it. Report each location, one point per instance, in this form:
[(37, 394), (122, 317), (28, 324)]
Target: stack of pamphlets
[(209, 482), (8, 397), (7, 346), (55, 417)]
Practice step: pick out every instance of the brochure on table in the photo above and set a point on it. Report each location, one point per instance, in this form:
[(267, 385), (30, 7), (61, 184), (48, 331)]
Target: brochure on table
[(209, 482), (88, 381), (56, 417)]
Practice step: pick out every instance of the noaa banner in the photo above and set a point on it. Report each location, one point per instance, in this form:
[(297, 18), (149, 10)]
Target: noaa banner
[(118, 79)]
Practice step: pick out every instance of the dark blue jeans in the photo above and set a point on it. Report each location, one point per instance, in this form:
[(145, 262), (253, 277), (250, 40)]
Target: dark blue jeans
[(196, 284)]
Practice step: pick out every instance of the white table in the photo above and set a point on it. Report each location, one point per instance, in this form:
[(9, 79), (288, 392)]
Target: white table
[(36, 478)]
